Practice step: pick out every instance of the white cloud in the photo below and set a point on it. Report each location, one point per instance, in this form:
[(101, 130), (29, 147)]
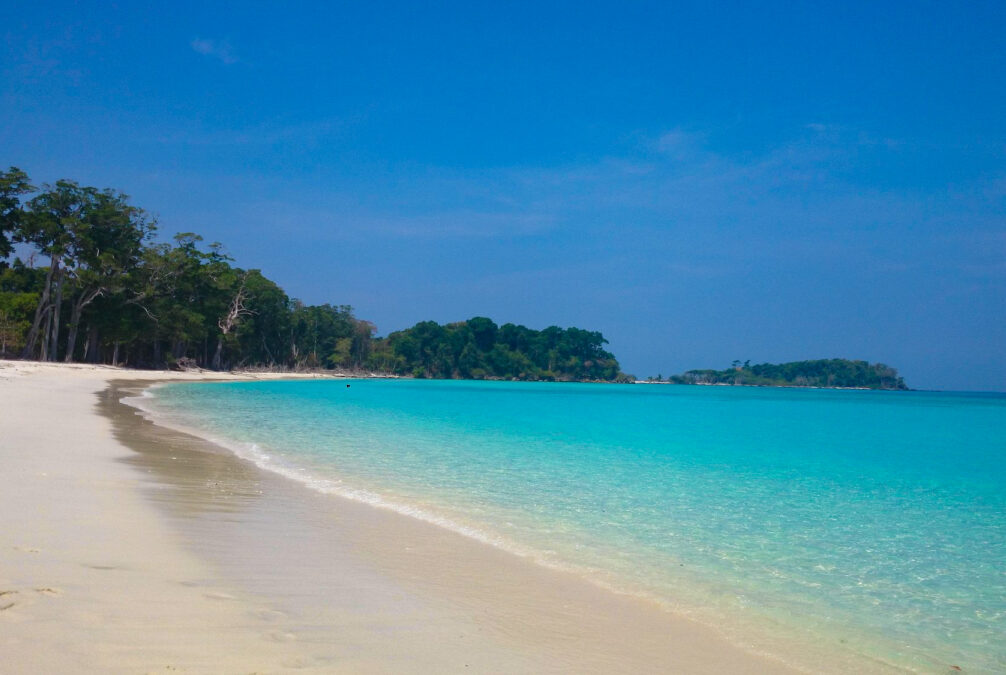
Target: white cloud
[(217, 49), (678, 144)]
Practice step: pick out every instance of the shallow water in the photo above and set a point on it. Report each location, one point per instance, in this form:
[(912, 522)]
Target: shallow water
[(871, 522)]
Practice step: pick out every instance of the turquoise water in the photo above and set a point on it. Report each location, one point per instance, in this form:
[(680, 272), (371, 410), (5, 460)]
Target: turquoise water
[(863, 522)]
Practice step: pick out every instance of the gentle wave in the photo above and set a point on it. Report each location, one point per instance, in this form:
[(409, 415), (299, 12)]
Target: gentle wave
[(265, 459), (571, 443)]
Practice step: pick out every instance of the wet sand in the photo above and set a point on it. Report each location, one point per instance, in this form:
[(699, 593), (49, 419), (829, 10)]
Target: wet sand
[(164, 551)]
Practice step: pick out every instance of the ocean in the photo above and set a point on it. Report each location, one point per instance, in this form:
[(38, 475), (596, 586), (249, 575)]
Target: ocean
[(799, 521)]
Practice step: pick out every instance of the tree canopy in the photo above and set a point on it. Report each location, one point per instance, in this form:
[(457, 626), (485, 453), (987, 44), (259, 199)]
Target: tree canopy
[(479, 349), (819, 373), (94, 286)]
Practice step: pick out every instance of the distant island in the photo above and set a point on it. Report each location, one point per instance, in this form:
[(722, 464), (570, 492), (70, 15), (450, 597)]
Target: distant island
[(479, 349), (839, 373)]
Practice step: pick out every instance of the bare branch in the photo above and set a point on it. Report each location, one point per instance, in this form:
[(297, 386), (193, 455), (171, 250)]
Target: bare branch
[(236, 310)]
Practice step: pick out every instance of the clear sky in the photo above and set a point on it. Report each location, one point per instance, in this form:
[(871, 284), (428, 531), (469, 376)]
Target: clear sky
[(701, 182)]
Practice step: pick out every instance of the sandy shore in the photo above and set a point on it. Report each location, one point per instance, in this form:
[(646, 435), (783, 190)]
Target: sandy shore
[(127, 547)]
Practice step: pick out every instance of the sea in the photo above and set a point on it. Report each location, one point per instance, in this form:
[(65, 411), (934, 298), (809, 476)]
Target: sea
[(829, 523)]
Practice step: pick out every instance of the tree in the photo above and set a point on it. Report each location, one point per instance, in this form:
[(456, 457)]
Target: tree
[(316, 330), (235, 311), (92, 239), (182, 290), (106, 246), (116, 297), (13, 183), (52, 216), (484, 331), (363, 339), (263, 335)]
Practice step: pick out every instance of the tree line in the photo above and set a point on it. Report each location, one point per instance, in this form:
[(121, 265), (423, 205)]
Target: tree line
[(479, 349), (817, 373), (82, 279)]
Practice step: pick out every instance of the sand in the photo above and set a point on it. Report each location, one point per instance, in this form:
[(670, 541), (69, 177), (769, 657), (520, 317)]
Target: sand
[(131, 548)]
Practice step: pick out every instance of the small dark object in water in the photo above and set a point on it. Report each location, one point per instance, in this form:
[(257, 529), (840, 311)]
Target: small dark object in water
[(347, 386)]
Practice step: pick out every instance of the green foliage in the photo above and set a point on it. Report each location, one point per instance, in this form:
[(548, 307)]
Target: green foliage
[(142, 304), (19, 292), (479, 349), (13, 184), (819, 373), (145, 304)]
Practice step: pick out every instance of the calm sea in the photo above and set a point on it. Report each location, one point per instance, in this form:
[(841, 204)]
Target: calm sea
[(862, 522)]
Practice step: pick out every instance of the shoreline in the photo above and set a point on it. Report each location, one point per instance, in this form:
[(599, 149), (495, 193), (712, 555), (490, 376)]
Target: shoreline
[(326, 583), (760, 637), (768, 386), (92, 577)]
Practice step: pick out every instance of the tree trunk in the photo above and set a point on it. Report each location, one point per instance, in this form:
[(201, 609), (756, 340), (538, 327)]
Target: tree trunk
[(71, 338), (57, 305), (44, 354), (272, 361), (88, 341), (40, 312), (91, 349), (218, 353), (228, 322), (85, 299), (115, 354)]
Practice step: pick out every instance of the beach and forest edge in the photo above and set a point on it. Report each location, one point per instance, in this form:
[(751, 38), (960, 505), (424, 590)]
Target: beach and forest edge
[(524, 338)]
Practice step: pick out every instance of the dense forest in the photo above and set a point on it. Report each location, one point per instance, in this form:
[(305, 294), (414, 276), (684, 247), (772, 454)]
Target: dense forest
[(479, 349), (820, 373), (82, 279)]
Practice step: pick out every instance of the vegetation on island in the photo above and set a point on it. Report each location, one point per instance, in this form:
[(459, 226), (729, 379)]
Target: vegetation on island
[(82, 279), (819, 373), (479, 349)]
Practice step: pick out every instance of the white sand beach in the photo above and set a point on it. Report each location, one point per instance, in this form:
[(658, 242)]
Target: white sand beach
[(130, 548)]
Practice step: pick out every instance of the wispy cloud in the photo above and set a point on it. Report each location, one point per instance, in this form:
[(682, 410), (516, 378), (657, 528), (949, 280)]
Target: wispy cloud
[(678, 144), (220, 50), (304, 133), (673, 198)]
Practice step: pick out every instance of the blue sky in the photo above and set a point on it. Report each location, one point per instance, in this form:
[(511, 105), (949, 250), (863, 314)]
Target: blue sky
[(701, 182)]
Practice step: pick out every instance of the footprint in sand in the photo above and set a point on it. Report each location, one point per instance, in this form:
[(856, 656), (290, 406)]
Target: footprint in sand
[(270, 614), (26, 549), (5, 603), (281, 636), (219, 596), (51, 592)]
